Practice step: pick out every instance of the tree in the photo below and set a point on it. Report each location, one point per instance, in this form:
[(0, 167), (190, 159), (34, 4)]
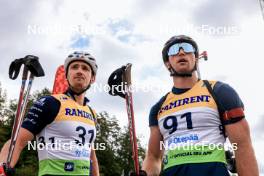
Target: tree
[(2, 100), (107, 134), (125, 151), (117, 158), (3, 132)]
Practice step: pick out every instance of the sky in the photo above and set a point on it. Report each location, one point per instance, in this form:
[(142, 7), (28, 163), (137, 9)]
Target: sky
[(132, 31)]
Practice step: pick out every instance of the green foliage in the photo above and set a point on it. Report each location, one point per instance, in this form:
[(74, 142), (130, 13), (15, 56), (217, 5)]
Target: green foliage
[(125, 152), (2, 104), (107, 134), (117, 158), (4, 131)]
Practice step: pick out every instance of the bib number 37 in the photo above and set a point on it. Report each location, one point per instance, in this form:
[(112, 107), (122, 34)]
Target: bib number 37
[(82, 135)]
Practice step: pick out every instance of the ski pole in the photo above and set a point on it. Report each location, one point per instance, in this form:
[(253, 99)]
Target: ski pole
[(122, 78), (22, 111), (16, 121), (31, 64), (132, 131), (130, 113)]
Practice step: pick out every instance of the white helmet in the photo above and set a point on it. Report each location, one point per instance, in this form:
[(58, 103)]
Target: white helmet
[(81, 56)]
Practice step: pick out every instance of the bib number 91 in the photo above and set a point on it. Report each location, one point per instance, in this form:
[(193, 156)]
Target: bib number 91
[(171, 122)]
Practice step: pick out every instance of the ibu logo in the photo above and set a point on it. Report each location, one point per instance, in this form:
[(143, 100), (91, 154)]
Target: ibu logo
[(69, 166), (165, 160)]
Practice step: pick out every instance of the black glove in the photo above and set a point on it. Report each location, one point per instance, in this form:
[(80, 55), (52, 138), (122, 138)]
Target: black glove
[(141, 173), (6, 171)]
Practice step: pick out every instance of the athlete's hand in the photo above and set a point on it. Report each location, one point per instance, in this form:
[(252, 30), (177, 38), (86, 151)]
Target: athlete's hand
[(2, 170), (6, 171), (141, 173)]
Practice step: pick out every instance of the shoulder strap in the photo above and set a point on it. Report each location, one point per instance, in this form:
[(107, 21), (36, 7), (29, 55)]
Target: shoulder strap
[(220, 106), (94, 117)]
